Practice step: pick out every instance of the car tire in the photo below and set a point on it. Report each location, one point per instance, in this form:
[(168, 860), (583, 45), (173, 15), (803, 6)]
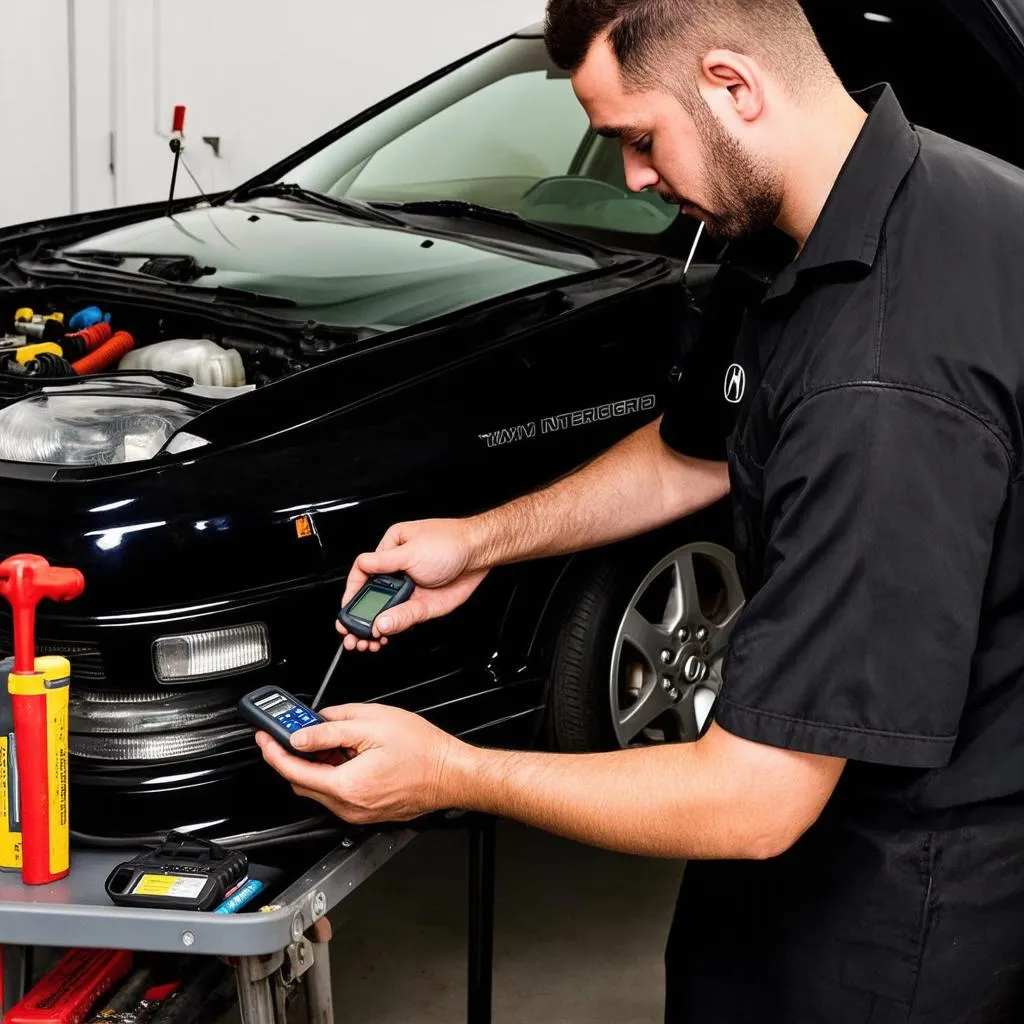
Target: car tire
[(588, 708)]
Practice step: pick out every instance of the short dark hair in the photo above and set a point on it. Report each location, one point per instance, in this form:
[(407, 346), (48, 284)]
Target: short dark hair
[(647, 36)]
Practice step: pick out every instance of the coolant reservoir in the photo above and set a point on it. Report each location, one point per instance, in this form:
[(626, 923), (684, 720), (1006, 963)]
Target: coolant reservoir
[(203, 360)]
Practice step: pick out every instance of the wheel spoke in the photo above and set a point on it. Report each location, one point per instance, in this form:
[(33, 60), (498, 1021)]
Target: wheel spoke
[(652, 703), (687, 718), (695, 708), (721, 633), (647, 638), (686, 594)]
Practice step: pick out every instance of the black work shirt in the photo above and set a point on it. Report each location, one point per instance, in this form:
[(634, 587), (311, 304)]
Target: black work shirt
[(874, 390)]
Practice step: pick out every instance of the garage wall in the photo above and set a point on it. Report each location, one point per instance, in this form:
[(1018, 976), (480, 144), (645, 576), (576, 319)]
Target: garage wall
[(34, 151), (261, 76)]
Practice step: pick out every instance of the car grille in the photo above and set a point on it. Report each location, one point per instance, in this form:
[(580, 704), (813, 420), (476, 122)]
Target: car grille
[(86, 660), (138, 727)]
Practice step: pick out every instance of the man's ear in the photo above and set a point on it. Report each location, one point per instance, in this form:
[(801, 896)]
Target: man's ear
[(732, 85)]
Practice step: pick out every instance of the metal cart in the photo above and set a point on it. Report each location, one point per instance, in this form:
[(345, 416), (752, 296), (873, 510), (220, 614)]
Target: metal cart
[(284, 945)]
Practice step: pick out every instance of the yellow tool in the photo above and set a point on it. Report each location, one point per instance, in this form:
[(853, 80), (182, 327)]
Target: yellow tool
[(39, 698)]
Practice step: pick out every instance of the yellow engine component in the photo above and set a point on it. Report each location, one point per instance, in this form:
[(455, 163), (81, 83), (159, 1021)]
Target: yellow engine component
[(28, 352)]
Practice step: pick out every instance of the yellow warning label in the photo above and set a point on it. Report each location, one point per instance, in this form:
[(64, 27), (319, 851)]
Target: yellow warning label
[(185, 886), (10, 841), (57, 759)]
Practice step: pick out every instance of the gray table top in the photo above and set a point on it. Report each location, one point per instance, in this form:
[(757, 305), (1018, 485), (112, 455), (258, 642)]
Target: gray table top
[(76, 911)]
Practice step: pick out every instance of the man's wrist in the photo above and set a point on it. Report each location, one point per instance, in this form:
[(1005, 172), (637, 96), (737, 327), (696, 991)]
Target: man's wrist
[(465, 778), (480, 540)]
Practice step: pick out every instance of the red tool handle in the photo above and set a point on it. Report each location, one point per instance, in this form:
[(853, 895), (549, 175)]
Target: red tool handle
[(25, 580)]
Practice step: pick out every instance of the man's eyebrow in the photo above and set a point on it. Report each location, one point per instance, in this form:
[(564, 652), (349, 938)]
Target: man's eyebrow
[(611, 131)]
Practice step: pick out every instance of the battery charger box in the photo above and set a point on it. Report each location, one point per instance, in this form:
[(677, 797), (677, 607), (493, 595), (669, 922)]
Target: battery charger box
[(183, 873)]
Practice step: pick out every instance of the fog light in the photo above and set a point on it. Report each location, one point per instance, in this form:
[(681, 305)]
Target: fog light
[(210, 654)]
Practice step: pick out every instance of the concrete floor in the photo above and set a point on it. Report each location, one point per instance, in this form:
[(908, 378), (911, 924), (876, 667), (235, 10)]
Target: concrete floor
[(579, 935)]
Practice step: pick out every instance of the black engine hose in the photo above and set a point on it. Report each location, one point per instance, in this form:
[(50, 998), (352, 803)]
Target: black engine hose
[(48, 365)]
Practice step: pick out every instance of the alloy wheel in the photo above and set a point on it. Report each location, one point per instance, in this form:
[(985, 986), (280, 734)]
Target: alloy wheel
[(666, 667)]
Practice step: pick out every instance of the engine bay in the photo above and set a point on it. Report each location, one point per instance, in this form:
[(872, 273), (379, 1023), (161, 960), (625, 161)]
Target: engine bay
[(88, 382), (50, 337)]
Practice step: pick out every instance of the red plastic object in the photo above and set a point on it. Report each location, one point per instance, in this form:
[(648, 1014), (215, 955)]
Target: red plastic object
[(24, 581), (93, 337), (66, 993), (158, 993), (110, 353), (178, 123)]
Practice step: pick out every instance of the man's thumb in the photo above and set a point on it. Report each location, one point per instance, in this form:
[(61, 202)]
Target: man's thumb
[(401, 617), (373, 563), (328, 736)]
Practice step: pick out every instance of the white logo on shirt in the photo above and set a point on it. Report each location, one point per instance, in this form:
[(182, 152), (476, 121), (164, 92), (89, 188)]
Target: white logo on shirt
[(735, 384)]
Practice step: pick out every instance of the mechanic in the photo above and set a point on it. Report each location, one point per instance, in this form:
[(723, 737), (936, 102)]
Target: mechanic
[(854, 818)]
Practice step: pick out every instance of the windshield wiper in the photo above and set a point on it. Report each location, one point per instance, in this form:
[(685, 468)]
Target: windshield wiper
[(289, 190), (458, 208), (146, 282)]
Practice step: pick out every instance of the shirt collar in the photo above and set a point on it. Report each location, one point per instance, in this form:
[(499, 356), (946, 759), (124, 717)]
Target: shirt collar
[(849, 228)]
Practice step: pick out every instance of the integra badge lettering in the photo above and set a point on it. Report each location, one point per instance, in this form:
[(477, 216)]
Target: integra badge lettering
[(568, 420)]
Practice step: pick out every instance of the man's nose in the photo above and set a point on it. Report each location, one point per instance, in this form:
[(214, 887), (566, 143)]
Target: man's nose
[(639, 173)]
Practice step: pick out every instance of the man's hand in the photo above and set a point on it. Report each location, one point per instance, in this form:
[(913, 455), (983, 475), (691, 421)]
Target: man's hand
[(721, 797), (398, 765), (436, 553)]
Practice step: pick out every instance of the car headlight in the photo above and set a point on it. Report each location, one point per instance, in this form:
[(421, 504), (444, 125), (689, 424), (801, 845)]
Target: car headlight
[(88, 430)]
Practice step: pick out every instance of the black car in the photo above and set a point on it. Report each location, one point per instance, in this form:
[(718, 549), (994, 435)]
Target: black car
[(442, 304)]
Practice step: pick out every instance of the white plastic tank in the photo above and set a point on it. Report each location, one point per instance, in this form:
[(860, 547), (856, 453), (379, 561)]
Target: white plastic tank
[(203, 360)]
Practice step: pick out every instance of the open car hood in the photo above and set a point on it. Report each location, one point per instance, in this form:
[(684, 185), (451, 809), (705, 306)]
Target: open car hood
[(336, 271)]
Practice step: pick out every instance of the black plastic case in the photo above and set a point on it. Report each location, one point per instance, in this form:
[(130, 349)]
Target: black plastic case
[(195, 873)]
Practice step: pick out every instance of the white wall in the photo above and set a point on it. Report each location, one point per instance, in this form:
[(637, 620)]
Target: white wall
[(34, 134), (265, 76)]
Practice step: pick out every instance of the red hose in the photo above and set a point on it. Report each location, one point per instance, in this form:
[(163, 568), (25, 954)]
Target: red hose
[(109, 354), (93, 337)]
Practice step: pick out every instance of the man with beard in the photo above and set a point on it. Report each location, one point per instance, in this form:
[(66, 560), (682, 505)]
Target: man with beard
[(853, 817)]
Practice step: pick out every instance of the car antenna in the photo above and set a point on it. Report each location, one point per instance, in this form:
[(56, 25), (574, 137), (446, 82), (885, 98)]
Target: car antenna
[(177, 144)]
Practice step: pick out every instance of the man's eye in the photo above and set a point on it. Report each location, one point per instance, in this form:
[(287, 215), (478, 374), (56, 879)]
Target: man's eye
[(642, 145)]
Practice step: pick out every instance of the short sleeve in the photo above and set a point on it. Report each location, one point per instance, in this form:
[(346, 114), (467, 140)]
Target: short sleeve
[(880, 509), (697, 419)]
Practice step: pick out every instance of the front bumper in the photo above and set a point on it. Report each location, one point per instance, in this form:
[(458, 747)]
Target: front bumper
[(146, 757)]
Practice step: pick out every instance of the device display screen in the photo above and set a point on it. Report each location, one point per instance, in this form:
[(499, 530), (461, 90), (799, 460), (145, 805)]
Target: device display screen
[(275, 704), (369, 606)]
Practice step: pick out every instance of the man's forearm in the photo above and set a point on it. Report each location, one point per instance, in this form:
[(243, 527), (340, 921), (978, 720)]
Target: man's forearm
[(719, 798), (637, 486)]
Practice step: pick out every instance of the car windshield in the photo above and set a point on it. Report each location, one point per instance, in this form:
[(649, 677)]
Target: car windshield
[(503, 130)]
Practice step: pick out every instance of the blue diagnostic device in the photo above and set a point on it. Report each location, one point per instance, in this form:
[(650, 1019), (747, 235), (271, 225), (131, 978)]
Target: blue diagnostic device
[(277, 712)]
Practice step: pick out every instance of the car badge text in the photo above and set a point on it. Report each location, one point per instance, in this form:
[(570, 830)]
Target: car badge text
[(568, 420)]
